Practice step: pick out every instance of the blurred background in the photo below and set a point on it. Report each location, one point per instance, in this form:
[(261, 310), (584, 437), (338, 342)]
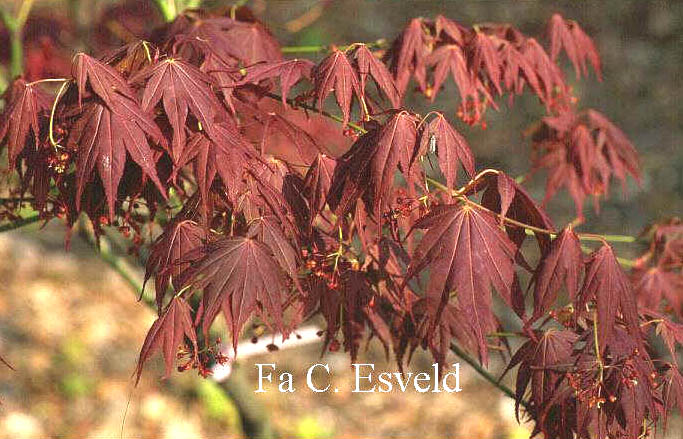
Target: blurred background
[(72, 327)]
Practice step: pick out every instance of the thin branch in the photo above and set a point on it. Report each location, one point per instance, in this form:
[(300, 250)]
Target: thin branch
[(528, 227), (486, 374), (294, 104), (379, 44)]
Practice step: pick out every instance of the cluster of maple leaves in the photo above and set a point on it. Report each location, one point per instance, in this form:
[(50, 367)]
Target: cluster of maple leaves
[(261, 207)]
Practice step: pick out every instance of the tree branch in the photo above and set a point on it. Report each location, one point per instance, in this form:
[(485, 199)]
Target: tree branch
[(486, 374)]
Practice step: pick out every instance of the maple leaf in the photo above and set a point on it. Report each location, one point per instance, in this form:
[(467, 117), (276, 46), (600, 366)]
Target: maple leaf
[(484, 56), (467, 254), (419, 327), (656, 284), (103, 79), (335, 73), (268, 230), (352, 174), (408, 54), (396, 143), (671, 333), (24, 103), (289, 73), (247, 42), (561, 267), (103, 137), (579, 47), (225, 153), (606, 284), (451, 59), (516, 71), (317, 183), (542, 362), (369, 65), (183, 88), (505, 196), (225, 74), (548, 73), (448, 29), (583, 152), (239, 276), (673, 390), (451, 148), (171, 254), (168, 333), (279, 136), (615, 146)]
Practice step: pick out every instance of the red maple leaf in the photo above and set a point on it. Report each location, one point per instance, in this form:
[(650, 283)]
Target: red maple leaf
[(24, 103), (238, 276), (467, 254), (167, 333), (336, 74)]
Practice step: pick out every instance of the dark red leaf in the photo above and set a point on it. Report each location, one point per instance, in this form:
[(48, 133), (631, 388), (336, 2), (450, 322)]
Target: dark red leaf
[(23, 105), (467, 254), (451, 148), (171, 254), (239, 276), (183, 88), (289, 73), (562, 267), (103, 137), (335, 74), (167, 334), (369, 65)]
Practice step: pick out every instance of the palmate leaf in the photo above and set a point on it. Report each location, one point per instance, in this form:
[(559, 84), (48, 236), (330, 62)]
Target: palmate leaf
[(167, 333), (183, 88), (171, 254), (239, 276), (484, 56), (451, 59), (395, 145), (317, 183), (541, 364), (369, 66), (289, 73), (103, 137), (451, 148), (655, 284), (268, 230), (335, 74), (467, 254), (19, 119), (563, 266), (607, 285), (673, 390), (579, 47), (408, 55), (226, 154), (103, 79)]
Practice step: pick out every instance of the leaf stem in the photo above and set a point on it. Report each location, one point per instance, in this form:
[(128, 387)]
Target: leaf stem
[(530, 230), (294, 104), (379, 44)]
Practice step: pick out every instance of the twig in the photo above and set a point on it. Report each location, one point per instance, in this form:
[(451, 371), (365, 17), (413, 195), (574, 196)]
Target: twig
[(381, 43), (486, 374)]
